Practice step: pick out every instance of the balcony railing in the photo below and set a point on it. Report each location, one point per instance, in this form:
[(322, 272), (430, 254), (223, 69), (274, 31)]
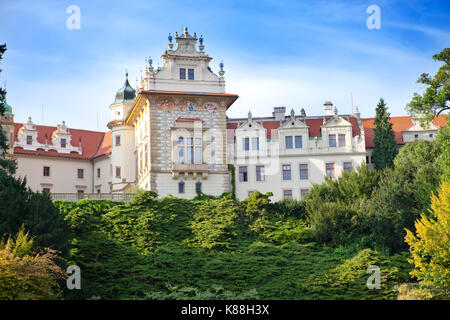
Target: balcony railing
[(81, 196)]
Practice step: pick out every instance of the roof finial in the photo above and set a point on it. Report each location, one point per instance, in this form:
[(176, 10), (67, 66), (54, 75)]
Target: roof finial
[(126, 73)]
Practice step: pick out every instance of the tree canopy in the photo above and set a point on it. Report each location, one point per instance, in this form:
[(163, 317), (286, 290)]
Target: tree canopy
[(436, 96), (385, 148)]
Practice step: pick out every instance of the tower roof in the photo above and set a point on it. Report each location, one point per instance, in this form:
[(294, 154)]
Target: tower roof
[(8, 108), (126, 93)]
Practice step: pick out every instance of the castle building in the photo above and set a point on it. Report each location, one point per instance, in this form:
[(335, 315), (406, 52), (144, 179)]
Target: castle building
[(172, 135)]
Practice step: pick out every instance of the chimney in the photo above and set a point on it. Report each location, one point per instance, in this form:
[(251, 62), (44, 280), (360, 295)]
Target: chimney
[(328, 108), (278, 113)]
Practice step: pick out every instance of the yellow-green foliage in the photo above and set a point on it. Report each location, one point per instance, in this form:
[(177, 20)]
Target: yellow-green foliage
[(430, 245), (25, 275)]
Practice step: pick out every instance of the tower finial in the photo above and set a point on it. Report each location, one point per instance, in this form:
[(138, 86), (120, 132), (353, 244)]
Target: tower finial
[(126, 73)]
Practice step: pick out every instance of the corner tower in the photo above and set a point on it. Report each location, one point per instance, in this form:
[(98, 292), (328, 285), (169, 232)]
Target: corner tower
[(123, 163)]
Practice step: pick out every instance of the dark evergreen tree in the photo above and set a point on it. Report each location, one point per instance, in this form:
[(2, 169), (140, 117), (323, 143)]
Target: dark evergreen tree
[(385, 148), (8, 165)]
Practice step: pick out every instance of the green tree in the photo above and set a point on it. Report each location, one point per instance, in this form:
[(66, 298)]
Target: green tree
[(443, 143), (6, 164), (436, 97), (430, 245), (385, 148)]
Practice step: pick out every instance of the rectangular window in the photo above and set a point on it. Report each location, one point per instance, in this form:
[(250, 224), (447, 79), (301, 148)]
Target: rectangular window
[(341, 140), (332, 140), (46, 190), (118, 173), (298, 142), (367, 159), (98, 191), (303, 192), (347, 167), (243, 176), (190, 151), (117, 140), (329, 167), (181, 154), (98, 173), (416, 136), (29, 140), (288, 142), (246, 143), (80, 194), (182, 74), (287, 194), (260, 173), (63, 143), (303, 171), (198, 155), (287, 172), (181, 187), (80, 173), (255, 143), (431, 135), (46, 171), (190, 74), (198, 187)]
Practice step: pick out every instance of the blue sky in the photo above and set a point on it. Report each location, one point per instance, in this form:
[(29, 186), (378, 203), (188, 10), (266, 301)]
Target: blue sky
[(276, 53)]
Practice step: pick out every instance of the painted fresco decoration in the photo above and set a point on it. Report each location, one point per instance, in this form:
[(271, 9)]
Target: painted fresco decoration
[(210, 107), (188, 106), (164, 104)]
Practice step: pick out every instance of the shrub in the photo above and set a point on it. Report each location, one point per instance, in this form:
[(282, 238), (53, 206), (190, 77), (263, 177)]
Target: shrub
[(430, 245), (26, 275)]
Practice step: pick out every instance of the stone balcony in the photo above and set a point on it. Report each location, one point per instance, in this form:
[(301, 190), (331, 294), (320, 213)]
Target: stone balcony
[(190, 169)]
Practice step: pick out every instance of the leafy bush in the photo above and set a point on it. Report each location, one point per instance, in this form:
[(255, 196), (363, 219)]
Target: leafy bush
[(25, 274), (215, 223), (430, 246)]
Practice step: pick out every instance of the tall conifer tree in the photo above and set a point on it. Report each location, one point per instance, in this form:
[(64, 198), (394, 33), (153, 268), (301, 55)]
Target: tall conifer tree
[(385, 148)]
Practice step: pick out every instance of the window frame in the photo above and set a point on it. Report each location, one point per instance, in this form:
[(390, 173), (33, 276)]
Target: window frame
[(243, 175), (260, 176), (285, 171), (286, 144), (190, 72), (80, 173), (332, 140), (285, 192), (341, 140), (182, 73), (350, 167), (300, 140), (331, 170), (46, 169), (303, 171)]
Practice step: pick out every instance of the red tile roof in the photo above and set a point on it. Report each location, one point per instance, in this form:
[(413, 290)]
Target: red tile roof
[(93, 143), (399, 124)]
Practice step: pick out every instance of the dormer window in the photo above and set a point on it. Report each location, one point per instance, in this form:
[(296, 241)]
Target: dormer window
[(182, 73), (341, 138), (63, 143), (332, 140), (190, 74), (29, 140)]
